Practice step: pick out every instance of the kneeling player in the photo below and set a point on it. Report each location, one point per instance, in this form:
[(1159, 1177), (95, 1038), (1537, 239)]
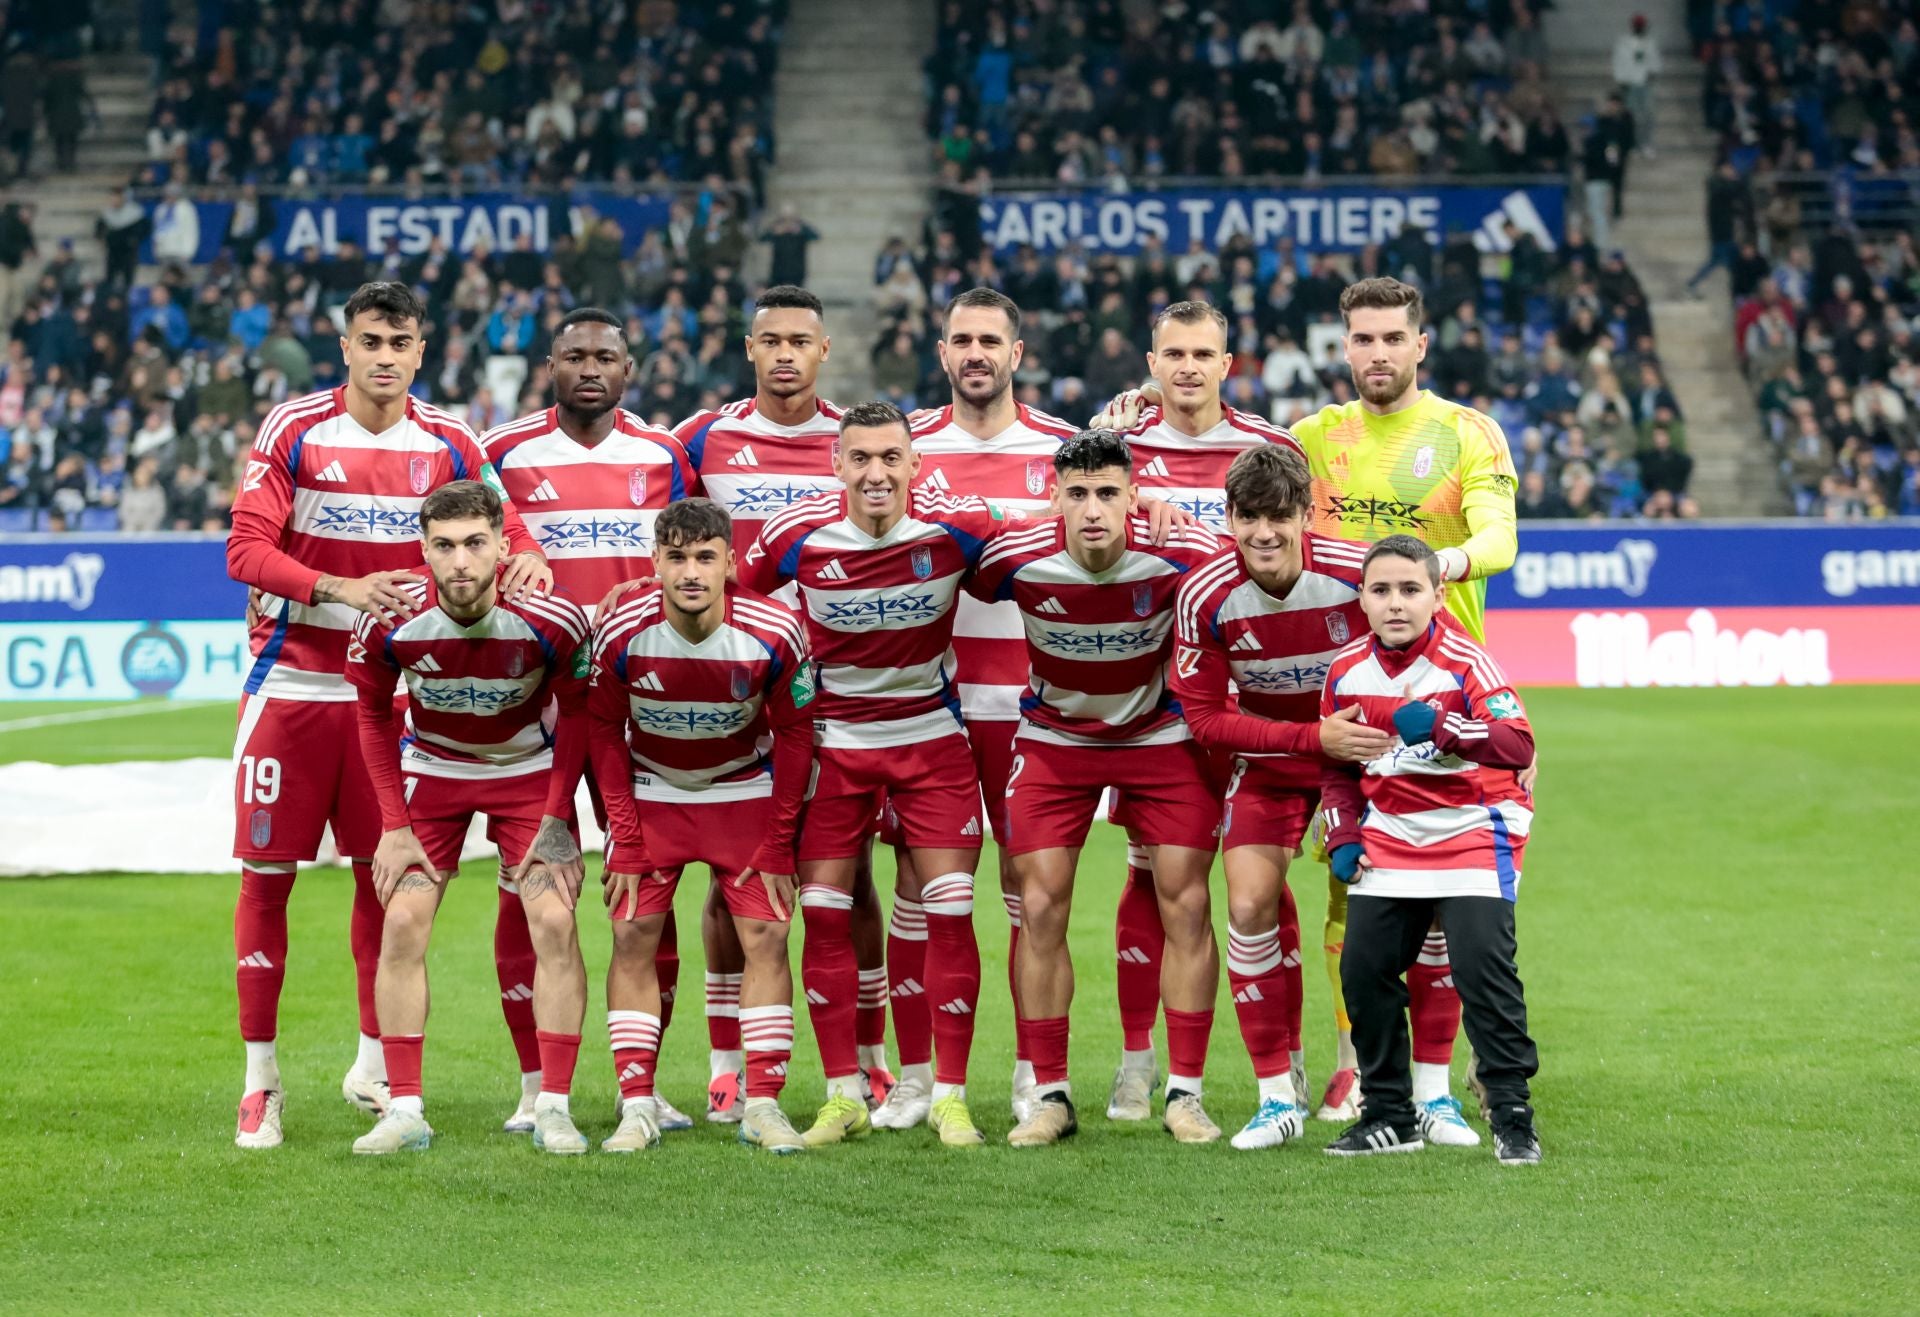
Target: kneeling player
[(1096, 601), (699, 699), (1269, 614), (479, 673), (1435, 827)]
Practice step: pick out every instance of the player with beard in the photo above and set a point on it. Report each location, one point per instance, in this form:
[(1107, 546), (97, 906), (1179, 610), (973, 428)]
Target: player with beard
[(590, 477)]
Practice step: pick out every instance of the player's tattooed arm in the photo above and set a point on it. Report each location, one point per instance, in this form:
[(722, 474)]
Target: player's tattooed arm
[(552, 862)]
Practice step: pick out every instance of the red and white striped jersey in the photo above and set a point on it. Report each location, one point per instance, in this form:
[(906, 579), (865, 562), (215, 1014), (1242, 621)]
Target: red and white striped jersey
[(321, 496), (879, 611), (590, 509), (1276, 651), (1190, 471), (479, 694), (1097, 644), (1013, 469), (700, 717), (1446, 817), (754, 468)]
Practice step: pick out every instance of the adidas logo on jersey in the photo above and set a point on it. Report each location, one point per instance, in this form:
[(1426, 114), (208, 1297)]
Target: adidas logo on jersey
[(833, 571), (938, 480), (1157, 467), (908, 988), (972, 829), (425, 664), (1051, 605), (744, 457), (544, 492), (956, 1007), (650, 681), (258, 960), (333, 472), (1247, 642), (518, 992)]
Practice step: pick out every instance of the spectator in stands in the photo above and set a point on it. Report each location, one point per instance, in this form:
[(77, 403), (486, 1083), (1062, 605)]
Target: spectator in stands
[(1665, 471), (789, 236), (1604, 160), (1728, 205), (1636, 63)]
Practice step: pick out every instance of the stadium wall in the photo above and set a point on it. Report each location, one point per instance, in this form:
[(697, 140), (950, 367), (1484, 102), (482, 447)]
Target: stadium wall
[(1776, 603)]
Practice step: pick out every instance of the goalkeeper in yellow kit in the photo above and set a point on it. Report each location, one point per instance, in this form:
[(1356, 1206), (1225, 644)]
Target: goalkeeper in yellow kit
[(1400, 461)]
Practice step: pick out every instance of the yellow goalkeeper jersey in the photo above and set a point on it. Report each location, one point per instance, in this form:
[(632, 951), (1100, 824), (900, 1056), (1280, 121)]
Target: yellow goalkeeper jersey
[(1436, 470)]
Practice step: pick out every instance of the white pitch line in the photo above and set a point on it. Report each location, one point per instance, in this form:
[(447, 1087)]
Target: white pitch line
[(129, 710)]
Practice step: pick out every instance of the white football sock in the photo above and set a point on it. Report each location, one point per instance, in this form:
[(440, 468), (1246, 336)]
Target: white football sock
[(1064, 1089), (1022, 1075), (370, 1062), (552, 1102), (725, 1063), (1297, 1062), (416, 1105), (873, 1056), (529, 1082), (1429, 1082), (846, 1086), (1276, 1086), (263, 1067), (949, 1090), (921, 1074), (1142, 1060), (1186, 1084)]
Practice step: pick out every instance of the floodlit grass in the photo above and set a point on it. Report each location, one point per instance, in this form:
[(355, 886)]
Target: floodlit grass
[(1718, 933)]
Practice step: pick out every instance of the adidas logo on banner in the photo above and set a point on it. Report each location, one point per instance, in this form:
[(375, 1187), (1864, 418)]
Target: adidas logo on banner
[(908, 988), (425, 664), (544, 492), (972, 829), (258, 960), (633, 1071), (1157, 467), (518, 992), (1247, 642), (650, 681), (744, 457), (833, 571), (1053, 606), (333, 472), (957, 1007), (1250, 993), (1135, 956), (938, 480), (1518, 207), (815, 997)]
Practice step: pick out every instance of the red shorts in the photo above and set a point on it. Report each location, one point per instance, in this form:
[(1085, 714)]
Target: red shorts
[(1266, 806), (722, 835), (1219, 771), (993, 760), (296, 770), (930, 788), (1055, 791), (442, 808)]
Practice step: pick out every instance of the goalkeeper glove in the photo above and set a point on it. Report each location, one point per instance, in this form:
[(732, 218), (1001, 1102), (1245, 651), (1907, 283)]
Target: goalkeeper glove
[(1345, 861), (1414, 721)]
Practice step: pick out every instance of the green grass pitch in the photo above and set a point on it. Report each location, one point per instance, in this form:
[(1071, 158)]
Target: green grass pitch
[(1718, 934)]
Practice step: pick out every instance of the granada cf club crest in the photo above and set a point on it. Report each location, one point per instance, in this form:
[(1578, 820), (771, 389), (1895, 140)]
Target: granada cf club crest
[(516, 663), (1142, 599), (1422, 463), (1337, 629), (419, 473), (1037, 475), (260, 827), (922, 560), (740, 682), (637, 487)]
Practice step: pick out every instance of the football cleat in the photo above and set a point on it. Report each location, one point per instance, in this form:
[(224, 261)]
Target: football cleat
[(1477, 1088), (1442, 1122), (724, 1096), (1052, 1120), (1341, 1101), (554, 1132), (637, 1131), (1132, 1095), (877, 1083), (950, 1119), (1514, 1141), (259, 1124), (764, 1125), (667, 1116), (906, 1106), (521, 1121), (841, 1119), (1188, 1121), (1375, 1136), (397, 1131), (1277, 1121), (366, 1093)]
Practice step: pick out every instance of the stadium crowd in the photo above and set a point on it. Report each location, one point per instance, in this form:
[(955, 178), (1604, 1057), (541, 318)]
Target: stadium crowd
[(1823, 269)]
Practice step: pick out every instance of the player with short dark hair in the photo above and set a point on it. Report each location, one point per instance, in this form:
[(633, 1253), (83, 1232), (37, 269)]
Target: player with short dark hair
[(589, 477), (1096, 598), (481, 673), (700, 709), (326, 527), (1433, 830)]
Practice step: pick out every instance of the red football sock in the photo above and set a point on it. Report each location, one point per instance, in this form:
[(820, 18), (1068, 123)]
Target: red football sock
[(513, 963), (1433, 1003), (1047, 1040), (1290, 966), (260, 947), (768, 1033), (907, 982), (1256, 974), (1187, 1034), (558, 1053), (953, 973), (870, 1008), (1138, 940), (403, 1063), (369, 920), (723, 1011), (1020, 1049), (635, 1036), (829, 976), (666, 968)]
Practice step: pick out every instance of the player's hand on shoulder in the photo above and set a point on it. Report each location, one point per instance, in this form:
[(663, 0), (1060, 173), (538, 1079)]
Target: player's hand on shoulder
[(383, 594), (1164, 518), (1122, 414), (527, 573), (625, 590), (1343, 736)]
